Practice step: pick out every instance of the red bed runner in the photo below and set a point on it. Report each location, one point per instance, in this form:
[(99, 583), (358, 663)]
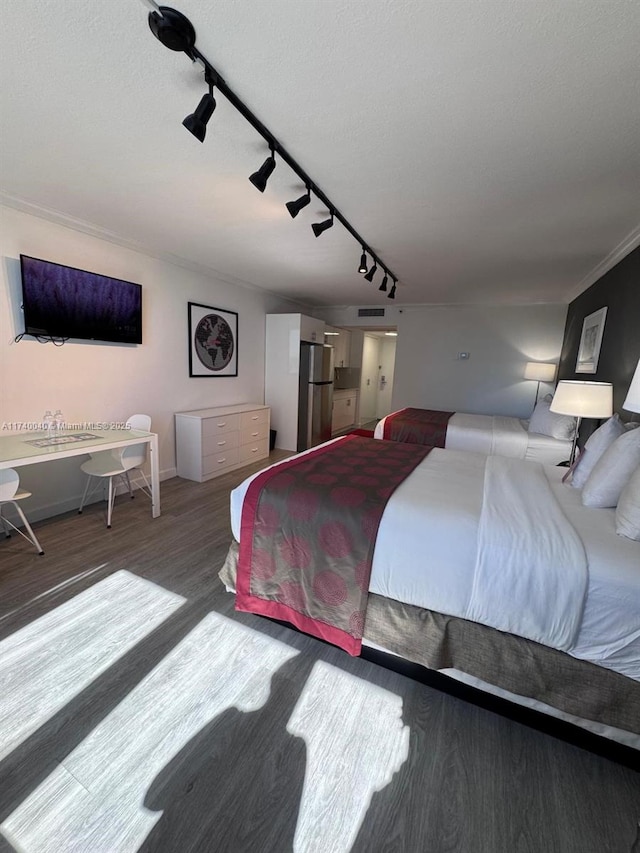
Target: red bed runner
[(308, 532), (417, 426)]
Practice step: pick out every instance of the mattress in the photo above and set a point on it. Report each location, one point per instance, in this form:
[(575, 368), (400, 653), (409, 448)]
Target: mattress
[(494, 434), (429, 532)]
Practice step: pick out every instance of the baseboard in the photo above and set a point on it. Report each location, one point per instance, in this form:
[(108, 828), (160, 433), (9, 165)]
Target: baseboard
[(50, 510)]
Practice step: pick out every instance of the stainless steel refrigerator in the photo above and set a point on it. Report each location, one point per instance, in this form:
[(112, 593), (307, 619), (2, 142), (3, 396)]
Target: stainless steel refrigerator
[(316, 395)]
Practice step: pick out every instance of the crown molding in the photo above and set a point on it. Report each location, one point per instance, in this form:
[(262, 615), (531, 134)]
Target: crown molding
[(624, 248), (59, 218)]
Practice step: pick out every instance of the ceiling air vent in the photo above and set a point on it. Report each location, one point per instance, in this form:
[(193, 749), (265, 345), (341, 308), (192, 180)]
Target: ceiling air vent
[(370, 312)]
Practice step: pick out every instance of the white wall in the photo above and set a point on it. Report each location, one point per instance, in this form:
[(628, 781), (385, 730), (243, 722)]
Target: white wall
[(92, 381), (500, 340)]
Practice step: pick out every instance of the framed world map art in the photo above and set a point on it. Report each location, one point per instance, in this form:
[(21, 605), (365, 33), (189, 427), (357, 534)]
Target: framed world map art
[(213, 341)]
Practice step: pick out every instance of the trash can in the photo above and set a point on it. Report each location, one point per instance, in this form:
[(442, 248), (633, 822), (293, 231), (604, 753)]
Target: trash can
[(272, 439)]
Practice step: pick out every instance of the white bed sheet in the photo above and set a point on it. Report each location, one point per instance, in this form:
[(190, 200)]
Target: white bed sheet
[(504, 436), (426, 549)]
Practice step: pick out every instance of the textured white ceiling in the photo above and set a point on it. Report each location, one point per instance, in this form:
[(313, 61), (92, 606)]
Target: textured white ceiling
[(488, 150)]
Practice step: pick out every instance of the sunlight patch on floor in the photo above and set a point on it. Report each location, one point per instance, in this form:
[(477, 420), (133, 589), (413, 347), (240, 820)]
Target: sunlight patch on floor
[(57, 588), (356, 741), (94, 801), (48, 662)]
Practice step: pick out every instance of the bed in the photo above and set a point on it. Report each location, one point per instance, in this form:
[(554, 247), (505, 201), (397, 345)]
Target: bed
[(490, 434), (461, 546)]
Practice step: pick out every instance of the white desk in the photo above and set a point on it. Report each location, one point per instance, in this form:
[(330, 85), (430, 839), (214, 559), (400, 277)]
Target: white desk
[(15, 450)]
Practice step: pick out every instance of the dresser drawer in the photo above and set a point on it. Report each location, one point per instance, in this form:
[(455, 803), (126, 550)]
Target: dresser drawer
[(254, 433), (255, 450), (219, 461), (223, 423), (220, 442), (253, 419)]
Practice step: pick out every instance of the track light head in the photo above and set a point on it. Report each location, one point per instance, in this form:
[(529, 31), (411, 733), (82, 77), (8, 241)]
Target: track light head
[(294, 207), (383, 286), (392, 292), (374, 269), (362, 268), (259, 179), (173, 29), (196, 123), (319, 227)]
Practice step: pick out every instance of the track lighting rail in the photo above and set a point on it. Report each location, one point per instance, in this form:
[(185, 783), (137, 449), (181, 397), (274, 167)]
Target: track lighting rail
[(176, 32)]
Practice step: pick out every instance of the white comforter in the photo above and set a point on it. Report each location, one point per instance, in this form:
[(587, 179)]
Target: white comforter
[(495, 434), (427, 553), (530, 576), (489, 434)]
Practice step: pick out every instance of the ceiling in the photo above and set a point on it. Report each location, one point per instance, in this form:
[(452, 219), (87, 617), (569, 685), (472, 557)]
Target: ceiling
[(487, 150)]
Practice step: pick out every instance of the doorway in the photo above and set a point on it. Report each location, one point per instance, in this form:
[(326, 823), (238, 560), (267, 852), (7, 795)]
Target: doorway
[(378, 366)]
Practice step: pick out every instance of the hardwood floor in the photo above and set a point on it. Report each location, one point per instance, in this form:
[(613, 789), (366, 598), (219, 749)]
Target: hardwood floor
[(139, 711)]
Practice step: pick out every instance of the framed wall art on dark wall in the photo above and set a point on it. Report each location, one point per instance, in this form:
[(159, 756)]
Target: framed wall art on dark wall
[(213, 341), (590, 342)]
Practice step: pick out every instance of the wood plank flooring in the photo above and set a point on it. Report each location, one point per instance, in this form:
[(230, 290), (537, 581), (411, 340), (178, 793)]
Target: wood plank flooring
[(139, 711)]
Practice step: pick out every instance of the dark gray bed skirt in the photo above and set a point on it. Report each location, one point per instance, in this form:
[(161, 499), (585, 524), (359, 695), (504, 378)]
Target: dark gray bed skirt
[(520, 666)]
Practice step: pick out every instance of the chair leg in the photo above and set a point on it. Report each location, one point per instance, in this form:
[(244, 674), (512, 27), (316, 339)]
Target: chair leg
[(5, 527), (84, 496), (128, 479), (147, 484), (32, 535), (111, 500)]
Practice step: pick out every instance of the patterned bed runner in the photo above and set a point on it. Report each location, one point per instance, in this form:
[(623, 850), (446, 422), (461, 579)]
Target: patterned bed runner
[(417, 426), (308, 532)]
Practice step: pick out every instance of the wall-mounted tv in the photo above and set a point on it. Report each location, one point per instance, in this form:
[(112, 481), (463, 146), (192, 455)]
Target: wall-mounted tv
[(64, 302)]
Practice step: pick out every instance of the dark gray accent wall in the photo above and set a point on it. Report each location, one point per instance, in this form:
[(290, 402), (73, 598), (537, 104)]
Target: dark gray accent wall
[(619, 290)]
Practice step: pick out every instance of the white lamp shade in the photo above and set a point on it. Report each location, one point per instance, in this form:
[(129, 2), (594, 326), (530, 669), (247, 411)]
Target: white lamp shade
[(583, 399), (540, 371), (632, 400)]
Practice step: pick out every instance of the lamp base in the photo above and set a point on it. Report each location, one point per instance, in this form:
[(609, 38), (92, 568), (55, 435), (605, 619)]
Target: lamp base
[(572, 457)]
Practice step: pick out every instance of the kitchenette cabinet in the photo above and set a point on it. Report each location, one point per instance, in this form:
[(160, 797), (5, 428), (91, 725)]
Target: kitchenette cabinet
[(311, 329), (285, 335), (340, 340), (345, 410)]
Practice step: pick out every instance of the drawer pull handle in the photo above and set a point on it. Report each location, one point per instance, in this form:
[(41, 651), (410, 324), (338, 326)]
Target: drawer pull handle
[(254, 449), (220, 461), (221, 443), (254, 418), (254, 434), (222, 423)]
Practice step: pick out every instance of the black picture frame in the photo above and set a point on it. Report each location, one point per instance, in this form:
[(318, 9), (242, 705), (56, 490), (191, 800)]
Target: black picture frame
[(213, 341), (591, 341)]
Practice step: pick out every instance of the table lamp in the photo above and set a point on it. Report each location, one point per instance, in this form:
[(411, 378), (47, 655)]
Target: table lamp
[(632, 400), (582, 400), (539, 371)]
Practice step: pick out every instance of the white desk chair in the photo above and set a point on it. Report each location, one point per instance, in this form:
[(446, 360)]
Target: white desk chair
[(116, 464), (9, 494)]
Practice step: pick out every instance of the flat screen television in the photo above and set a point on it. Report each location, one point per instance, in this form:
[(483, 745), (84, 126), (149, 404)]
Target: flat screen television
[(65, 302)]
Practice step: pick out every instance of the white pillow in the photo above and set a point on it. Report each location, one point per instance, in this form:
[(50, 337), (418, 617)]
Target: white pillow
[(594, 447), (545, 422), (612, 471), (628, 509)]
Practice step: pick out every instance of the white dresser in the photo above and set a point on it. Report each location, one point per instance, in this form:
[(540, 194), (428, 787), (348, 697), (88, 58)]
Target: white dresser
[(210, 442)]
